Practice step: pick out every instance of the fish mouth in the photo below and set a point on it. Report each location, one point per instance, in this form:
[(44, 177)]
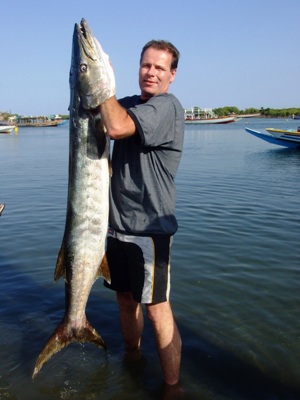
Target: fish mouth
[(86, 41), (83, 28)]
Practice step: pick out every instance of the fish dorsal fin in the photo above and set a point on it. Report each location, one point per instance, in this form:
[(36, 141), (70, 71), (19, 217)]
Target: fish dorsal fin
[(104, 269)]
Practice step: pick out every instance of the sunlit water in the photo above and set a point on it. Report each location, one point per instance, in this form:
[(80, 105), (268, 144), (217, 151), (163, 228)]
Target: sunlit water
[(235, 273)]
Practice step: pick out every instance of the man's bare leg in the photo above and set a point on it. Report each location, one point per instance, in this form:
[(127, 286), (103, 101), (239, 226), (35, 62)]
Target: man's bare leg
[(166, 332), (168, 340), (132, 321)]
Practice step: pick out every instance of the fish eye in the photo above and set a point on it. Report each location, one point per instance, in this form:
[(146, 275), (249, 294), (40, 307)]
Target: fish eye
[(83, 67)]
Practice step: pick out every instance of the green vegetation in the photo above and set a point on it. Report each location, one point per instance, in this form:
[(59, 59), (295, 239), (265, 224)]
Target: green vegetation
[(283, 113), (222, 111), (265, 112), (4, 116)]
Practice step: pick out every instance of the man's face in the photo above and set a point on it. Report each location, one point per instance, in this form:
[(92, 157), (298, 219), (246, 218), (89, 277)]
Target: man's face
[(155, 74)]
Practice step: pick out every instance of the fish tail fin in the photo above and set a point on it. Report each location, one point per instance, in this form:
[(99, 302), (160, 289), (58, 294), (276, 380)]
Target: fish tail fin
[(104, 269), (62, 337)]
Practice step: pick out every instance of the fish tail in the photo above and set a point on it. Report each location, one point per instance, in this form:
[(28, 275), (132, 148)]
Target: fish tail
[(62, 337)]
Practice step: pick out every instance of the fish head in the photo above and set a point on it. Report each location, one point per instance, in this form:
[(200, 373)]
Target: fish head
[(91, 74)]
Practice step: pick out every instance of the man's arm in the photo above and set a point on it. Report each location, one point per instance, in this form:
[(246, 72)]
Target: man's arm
[(116, 120)]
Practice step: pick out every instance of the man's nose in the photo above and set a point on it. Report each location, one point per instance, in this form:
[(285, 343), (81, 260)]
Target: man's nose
[(151, 70)]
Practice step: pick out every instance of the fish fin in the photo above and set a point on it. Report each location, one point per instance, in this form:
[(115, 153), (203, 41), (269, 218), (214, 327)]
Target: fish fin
[(104, 269), (110, 166), (1, 208), (62, 337), (60, 269), (100, 137)]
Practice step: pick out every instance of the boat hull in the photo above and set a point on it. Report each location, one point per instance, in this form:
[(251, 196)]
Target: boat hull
[(220, 120), (272, 139), (283, 134), (6, 128)]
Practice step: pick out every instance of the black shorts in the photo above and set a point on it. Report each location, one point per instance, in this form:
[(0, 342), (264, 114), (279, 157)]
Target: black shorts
[(140, 265)]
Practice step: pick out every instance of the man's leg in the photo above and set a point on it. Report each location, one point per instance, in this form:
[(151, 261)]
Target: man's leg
[(167, 339), (132, 321)]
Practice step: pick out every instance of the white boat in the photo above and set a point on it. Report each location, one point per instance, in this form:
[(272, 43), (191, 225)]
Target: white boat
[(214, 120), (197, 115), (285, 134), (257, 115), (6, 128)]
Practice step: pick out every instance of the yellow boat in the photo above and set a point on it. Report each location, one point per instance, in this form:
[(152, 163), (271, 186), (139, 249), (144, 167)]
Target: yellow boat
[(285, 134), (280, 139)]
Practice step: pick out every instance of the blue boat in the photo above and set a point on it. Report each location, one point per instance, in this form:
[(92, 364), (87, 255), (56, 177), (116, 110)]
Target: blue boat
[(286, 142)]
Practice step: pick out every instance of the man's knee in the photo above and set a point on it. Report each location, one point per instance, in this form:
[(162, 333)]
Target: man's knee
[(158, 311), (125, 300), (124, 296)]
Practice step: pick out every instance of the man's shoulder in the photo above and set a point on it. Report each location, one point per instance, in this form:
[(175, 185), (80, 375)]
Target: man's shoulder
[(166, 98), (130, 101), (164, 102)]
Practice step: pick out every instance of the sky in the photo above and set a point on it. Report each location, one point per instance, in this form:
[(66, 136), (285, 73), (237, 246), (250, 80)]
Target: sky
[(242, 53)]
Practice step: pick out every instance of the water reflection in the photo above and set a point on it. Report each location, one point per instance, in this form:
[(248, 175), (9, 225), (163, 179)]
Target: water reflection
[(235, 266)]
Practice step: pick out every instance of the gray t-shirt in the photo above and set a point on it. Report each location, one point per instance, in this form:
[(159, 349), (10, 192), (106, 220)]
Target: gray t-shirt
[(142, 198)]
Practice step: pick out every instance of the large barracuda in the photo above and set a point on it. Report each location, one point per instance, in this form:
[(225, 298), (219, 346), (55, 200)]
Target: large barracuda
[(81, 258)]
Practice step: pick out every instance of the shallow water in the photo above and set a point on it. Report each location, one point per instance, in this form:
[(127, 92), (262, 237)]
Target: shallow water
[(235, 273)]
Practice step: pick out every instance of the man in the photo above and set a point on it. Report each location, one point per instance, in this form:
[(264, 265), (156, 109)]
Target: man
[(148, 132)]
